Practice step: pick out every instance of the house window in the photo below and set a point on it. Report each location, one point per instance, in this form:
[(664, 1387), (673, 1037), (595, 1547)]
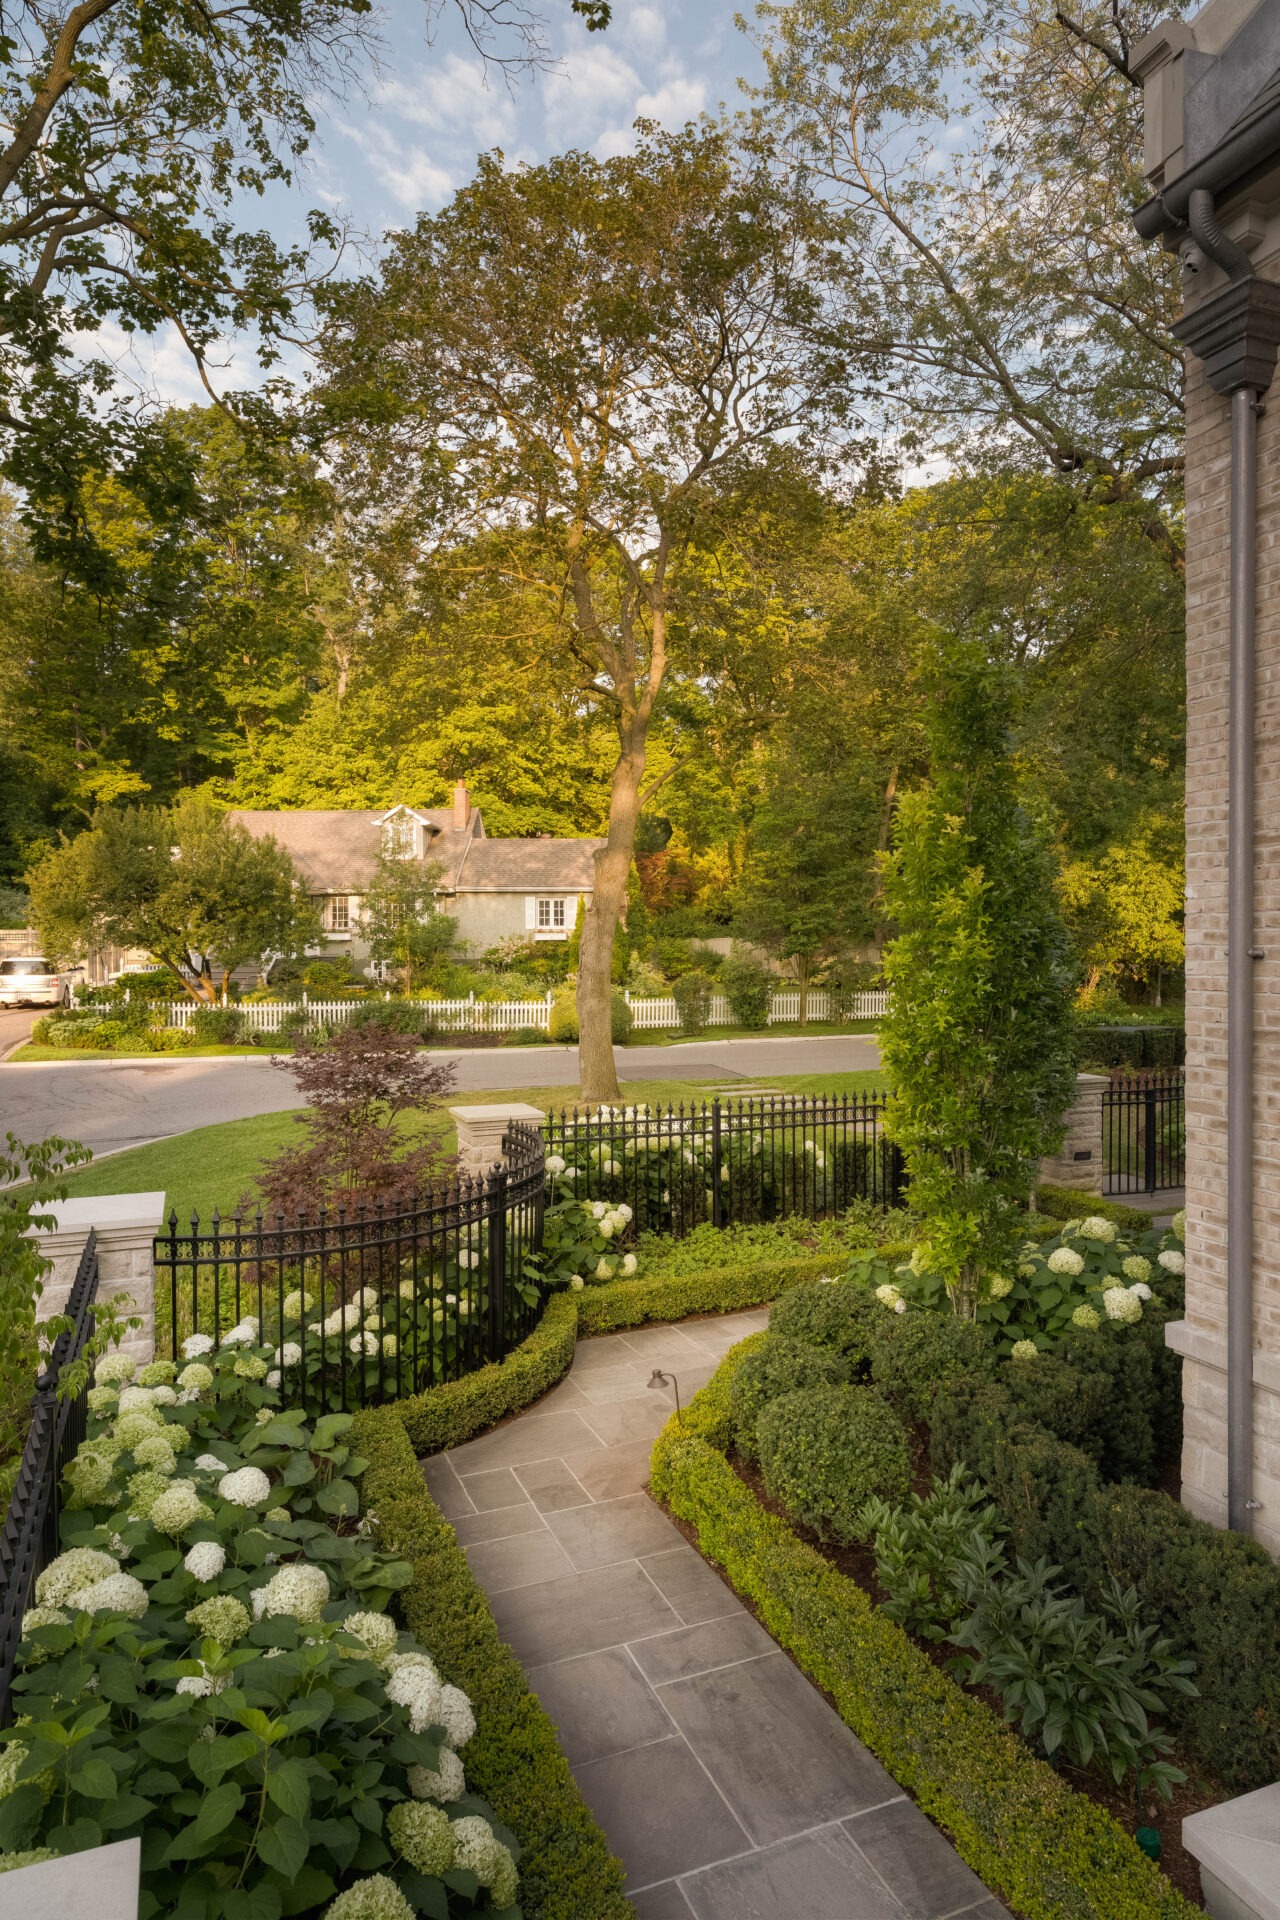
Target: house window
[(337, 913), (400, 837), (550, 915)]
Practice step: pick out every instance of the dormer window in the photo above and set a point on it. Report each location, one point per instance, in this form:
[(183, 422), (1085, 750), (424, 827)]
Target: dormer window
[(401, 837)]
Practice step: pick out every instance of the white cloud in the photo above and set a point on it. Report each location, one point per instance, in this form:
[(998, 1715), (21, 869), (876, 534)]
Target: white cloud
[(642, 27), (453, 93), (590, 82), (409, 174), (679, 98)]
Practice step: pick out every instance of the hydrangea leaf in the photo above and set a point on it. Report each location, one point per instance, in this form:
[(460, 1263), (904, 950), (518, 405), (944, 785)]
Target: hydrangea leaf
[(284, 1844), (290, 1788), (217, 1810)]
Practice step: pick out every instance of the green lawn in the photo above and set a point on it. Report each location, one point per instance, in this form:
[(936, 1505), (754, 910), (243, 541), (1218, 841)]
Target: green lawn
[(214, 1167)]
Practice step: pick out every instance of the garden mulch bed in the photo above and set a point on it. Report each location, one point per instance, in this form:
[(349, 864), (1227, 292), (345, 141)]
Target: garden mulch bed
[(1194, 1794)]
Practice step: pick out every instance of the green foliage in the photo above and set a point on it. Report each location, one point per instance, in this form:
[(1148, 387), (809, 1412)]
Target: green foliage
[(15, 906), (250, 1718), (401, 920), (920, 1548), (411, 1017), (1085, 1277), (1125, 909), (917, 1356), (746, 1243), (29, 1183), (619, 1019), (514, 1759), (1064, 1203), (562, 1023), (825, 1451), (717, 1289), (749, 988), (445, 1416), (217, 1026), (196, 890), (778, 1366), (842, 1317), (692, 994), (1050, 1853), (978, 1040), (580, 1239)]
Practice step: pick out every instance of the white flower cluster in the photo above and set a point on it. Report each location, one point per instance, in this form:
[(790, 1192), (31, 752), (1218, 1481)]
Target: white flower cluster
[(246, 1487), (300, 1591), (205, 1561), (1065, 1260), (890, 1296), (1096, 1228), (196, 1345), (1172, 1261), (90, 1581), (1120, 1303), (243, 1334)]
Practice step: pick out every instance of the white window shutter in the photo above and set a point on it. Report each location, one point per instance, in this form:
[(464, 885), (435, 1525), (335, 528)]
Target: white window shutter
[(530, 912)]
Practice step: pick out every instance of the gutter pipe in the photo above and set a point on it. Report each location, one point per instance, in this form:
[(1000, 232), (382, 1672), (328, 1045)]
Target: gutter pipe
[(1226, 166), (1241, 952)]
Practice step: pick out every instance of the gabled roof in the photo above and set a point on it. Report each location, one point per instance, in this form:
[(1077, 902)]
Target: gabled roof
[(335, 849), (529, 866)]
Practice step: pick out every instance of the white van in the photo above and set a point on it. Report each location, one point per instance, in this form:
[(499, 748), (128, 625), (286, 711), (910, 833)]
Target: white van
[(30, 980)]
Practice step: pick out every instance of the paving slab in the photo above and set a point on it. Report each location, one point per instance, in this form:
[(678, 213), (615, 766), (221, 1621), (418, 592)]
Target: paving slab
[(727, 1785)]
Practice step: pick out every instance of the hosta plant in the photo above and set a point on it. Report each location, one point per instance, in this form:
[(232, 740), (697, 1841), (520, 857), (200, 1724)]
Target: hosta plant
[(210, 1664)]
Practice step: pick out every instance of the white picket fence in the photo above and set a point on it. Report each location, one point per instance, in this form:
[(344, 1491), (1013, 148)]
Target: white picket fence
[(649, 1012)]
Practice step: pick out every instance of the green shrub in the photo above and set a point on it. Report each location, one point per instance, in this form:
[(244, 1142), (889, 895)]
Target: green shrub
[(916, 1356), (749, 989), (413, 1017), (619, 1019), (445, 1416), (859, 1228), (1064, 1203), (629, 1303), (562, 1023), (843, 1317), (692, 995), (826, 1451), (217, 1026), (1049, 1852), (779, 1366), (513, 1758)]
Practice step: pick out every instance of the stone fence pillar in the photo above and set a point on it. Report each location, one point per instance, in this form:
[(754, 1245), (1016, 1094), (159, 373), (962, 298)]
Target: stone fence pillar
[(480, 1131), (126, 1225), (1078, 1162)]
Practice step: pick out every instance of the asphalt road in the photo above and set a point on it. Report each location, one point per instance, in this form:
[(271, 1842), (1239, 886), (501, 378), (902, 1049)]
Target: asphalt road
[(111, 1104)]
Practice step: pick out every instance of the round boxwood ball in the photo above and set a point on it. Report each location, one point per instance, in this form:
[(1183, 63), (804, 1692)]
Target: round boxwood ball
[(825, 1451), (777, 1366), (838, 1315)]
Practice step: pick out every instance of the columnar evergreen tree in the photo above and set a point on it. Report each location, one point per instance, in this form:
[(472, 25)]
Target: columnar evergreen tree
[(978, 1041)]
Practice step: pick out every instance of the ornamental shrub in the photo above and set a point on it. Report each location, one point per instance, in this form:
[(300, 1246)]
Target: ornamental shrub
[(562, 1023), (619, 1019), (692, 995), (778, 1366), (749, 988), (217, 1026), (842, 1317), (916, 1356), (826, 1451), (411, 1017)]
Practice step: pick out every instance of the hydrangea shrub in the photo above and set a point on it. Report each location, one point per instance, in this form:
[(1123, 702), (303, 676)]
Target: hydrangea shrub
[(1088, 1273), (210, 1664)]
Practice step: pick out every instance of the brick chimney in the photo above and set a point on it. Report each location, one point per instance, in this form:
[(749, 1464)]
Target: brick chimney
[(461, 804)]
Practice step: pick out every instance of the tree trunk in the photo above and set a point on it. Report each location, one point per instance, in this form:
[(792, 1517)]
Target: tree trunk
[(881, 931), (803, 969), (597, 1071)]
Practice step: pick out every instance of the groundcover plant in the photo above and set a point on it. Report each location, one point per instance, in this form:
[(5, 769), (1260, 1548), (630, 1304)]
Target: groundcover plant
[(210, 1664)]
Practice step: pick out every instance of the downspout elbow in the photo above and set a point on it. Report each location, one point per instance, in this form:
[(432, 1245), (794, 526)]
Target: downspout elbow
[(1207, 233)]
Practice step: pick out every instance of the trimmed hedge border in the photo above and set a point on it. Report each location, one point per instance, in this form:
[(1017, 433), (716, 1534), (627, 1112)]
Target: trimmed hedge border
[(629, 1303), (1049, 1851), (513, 1760), (1064, 1203), (446, 1416)]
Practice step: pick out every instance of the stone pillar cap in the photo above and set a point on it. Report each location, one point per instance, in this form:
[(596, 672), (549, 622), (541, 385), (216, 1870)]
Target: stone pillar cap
[(495, 1111), (107, 1212)]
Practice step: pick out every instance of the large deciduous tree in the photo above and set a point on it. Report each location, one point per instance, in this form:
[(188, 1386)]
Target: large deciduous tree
[(194, 889), (595, 358), (991, 157)]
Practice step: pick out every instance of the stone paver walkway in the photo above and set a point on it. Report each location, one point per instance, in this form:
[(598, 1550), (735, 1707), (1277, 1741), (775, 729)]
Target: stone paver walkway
[(726, 1784)]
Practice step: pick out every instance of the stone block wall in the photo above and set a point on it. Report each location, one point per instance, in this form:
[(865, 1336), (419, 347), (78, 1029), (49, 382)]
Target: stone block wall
[(1078, 1161), (126, 1225)]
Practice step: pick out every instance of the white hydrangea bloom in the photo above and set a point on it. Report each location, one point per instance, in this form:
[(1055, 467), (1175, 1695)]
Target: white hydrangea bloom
[(210, 1463), (117, 1593), (1119, 1304), (376, 1630), (1025, 1350), (178, 1508), (555, 1164), (1086, 1317), (196, 1375), (888, 1295), (1134, 1267), (112, 1368), (603, 1270), (999, 1285), (243, 1335), (364, 1344), (101, 1400), (205, 1561), (288, 1355), (598, 1209), (164, 1396), (628, 1263), (576, 1282), (154, 1451), (1172, 1261), (274, 1378), (246, 1487), (1096, 1228), (1142, 1292), (296, 1304), (197, 1344), (1179, 1223), (375, 1898), (445, 1781), (456, 1716), (624, 1212), (301, 1591), (478, 1849), (413, 1682), (201, 1685), (605, 1227), (78, 1567), (1065, 1260)]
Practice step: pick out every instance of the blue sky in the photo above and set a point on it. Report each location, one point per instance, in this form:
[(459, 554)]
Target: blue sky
[(412, 139)]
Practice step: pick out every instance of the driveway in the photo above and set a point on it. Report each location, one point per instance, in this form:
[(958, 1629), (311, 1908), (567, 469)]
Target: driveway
[(15, 1026), (110, 1104)]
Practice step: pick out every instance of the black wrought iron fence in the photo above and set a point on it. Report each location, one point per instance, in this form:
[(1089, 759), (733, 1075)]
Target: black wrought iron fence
[(758, 1157), (1144, 1132), (29, 1539), (371, 1305)]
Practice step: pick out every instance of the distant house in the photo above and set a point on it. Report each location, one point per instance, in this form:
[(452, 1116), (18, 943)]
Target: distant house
[(492, 888)]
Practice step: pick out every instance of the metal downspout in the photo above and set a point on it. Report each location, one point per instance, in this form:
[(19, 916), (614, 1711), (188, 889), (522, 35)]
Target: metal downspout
[(1241, 952)]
